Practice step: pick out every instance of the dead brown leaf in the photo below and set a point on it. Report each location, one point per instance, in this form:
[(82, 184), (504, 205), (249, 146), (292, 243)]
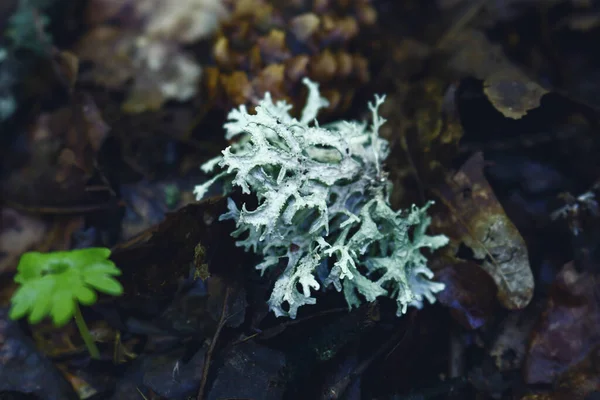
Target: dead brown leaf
[(60, 159), (569, 327), (580, 382), (477, 225), (470, 292), (507, 87), (511, 344), (155, 262)]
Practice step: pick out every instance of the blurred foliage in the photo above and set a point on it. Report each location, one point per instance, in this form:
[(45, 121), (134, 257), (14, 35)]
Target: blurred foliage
[(27, 26), (24, 37)]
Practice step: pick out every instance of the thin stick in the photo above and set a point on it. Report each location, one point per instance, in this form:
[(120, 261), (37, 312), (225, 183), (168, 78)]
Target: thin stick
[(212, 346)]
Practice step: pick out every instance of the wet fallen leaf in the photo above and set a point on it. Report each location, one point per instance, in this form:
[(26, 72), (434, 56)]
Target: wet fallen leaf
[(425, 142), (513, 95), (480, 230)]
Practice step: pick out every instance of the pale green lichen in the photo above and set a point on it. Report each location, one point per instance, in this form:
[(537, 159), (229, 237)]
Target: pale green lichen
[(323, 207)]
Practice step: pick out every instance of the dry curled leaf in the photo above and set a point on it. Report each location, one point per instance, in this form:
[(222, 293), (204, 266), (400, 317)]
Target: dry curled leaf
[(507, 87), (480, 230)]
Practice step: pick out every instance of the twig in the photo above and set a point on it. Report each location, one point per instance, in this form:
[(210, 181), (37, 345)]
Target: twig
[(141, 394), (336, 390), (275, 330), (459, 24), (213, 343), (67, 210)]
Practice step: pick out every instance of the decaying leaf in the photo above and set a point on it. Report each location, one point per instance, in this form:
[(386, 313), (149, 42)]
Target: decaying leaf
[(580, 382), (512, 93), (507, 87), (156, 261), (509, 349), (476, 223), (569, 327), (425, 126), (470, 292), (59, 160)]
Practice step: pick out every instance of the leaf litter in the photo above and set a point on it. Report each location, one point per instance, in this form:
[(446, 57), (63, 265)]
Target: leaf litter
[(492, 112)]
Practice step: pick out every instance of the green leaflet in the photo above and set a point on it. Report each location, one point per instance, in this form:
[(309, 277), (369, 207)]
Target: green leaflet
[(51, 283)]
